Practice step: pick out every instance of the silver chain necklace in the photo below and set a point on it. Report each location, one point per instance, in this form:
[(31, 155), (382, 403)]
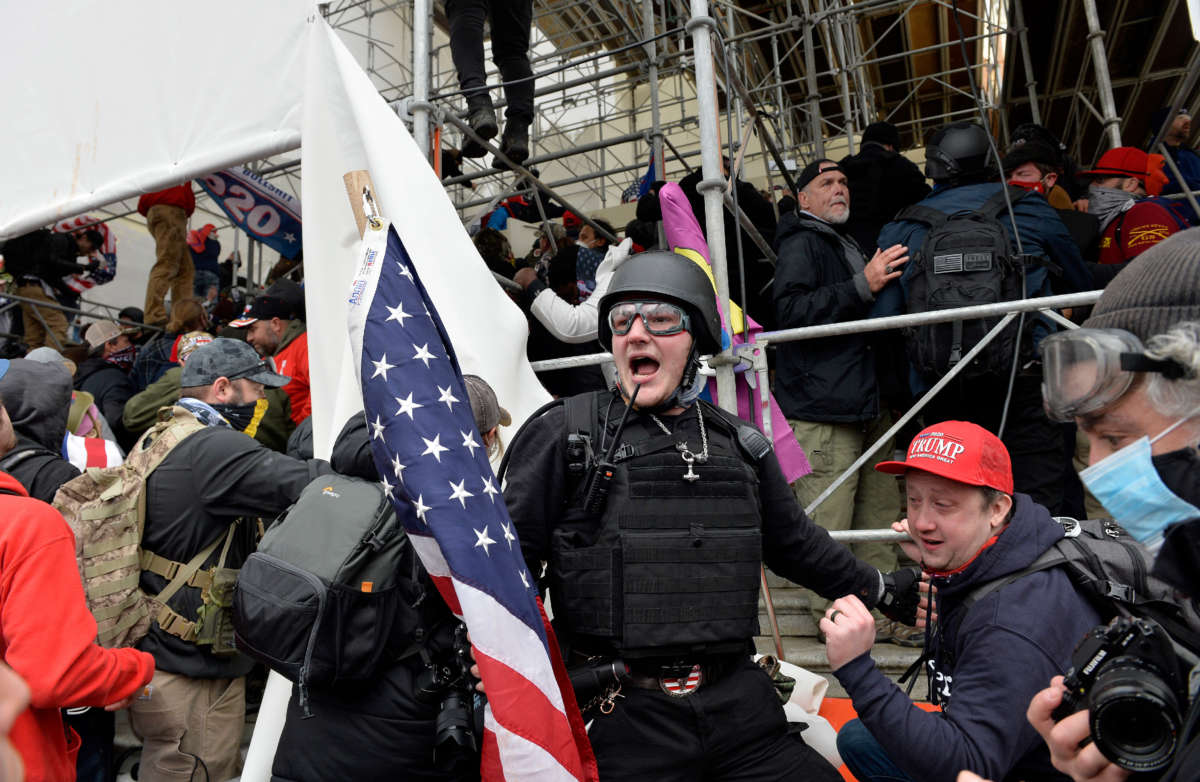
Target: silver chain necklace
[(685, 453)]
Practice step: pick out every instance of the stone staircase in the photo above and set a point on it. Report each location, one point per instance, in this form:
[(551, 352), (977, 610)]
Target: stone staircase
[(801, 646)]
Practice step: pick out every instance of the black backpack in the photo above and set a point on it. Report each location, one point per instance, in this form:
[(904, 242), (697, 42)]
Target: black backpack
[(966, 259), (334, 592), (1113, 572)]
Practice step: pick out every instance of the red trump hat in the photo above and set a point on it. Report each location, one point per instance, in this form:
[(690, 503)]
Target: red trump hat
[(960, 451)]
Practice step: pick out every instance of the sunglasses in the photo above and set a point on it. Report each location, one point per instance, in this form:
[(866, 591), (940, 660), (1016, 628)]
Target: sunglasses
[(264, 364), (659, 317)]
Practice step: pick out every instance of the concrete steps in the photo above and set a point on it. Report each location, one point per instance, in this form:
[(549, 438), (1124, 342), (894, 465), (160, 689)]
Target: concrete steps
[(801, 646)]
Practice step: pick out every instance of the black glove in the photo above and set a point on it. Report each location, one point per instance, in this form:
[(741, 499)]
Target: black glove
[(901, 595)]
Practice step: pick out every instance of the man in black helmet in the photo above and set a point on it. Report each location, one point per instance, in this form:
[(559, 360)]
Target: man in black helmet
[(960, 161), (655, 510)]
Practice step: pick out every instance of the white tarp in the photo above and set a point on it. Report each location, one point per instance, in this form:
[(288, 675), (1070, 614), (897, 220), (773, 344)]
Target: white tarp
[(348, 127), (103, 101)]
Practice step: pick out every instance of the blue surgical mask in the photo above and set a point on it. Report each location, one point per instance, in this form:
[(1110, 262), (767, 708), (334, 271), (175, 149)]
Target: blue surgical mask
[(1129, 488)]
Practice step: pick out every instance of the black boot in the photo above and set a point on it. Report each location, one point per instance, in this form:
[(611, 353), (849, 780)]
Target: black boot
[(514, 144), (482, 119)]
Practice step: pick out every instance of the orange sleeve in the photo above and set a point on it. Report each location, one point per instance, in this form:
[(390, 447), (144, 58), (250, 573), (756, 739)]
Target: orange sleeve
[(47, 631)]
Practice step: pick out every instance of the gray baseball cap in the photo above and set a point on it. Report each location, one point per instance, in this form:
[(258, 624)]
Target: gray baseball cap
[(232, 359)]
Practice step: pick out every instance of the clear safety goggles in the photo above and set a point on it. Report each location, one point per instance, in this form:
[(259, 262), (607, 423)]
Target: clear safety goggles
[(659, 317), (1084, 370)]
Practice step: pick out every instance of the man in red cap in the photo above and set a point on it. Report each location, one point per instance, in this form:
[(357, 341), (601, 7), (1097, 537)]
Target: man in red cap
[(986, 657), (1123, 196)]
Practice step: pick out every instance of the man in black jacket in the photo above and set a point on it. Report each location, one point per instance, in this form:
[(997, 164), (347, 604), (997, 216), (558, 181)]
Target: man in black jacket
[(208, 489), (38, 261), (654, 574), (881, 181), (105, 374), (827, 388)]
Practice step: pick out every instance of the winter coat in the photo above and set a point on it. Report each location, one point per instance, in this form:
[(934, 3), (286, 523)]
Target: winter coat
[(48, 636), (1042, 235), (37, 397), (211, 478), (986, 665), (882, 182), (291, 359), (153, 359), (830, 379), (180, 196)]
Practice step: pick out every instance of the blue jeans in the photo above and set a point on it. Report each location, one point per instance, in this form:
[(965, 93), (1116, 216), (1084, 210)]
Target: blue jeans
[(867, 760)]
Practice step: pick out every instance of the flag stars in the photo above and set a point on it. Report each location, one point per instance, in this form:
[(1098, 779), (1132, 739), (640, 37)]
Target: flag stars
[(424, 355), (489, 488), (434, 448), (447, 396), (405, 270), (397, 313), (421, 508), (407, 405), (508, 536), (461, 493), (469, 441), (524, 578), (381, 367), (387, 487), (377, 429), (398, 468), (483, 541)]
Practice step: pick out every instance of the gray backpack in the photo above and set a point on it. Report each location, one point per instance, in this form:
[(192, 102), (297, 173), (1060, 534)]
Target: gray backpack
[(1111, 570), (332, 593)]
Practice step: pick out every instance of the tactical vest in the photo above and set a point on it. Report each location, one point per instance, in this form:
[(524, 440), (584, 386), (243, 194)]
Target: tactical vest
[(670, 566)]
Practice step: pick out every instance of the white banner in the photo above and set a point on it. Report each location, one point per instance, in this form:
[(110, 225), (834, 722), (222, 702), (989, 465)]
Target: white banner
[(110, 100)]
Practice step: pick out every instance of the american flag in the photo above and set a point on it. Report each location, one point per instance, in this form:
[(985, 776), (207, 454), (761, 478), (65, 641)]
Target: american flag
[(640, 186), (437, 474)]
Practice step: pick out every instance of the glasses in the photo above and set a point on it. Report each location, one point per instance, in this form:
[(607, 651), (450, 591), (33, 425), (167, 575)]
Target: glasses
[(659, 317), (263, 364)]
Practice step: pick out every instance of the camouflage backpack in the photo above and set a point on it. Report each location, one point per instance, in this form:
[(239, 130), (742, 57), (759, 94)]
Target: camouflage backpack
[(106, 509)]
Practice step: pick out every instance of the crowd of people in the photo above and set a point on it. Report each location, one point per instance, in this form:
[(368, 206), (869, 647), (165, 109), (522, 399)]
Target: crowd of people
[(654, 578)]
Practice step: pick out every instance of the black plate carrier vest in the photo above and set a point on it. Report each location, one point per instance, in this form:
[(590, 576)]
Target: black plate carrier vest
[(670, 566)]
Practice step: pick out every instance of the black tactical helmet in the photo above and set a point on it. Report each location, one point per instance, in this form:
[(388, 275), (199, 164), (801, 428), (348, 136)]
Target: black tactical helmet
[(670, 276), (958, 151)]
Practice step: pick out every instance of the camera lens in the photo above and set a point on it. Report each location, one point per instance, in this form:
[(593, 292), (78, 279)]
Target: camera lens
[(1135, 716)]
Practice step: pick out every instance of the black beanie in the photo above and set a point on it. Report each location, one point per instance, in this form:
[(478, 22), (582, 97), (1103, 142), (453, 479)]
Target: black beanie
[(1159, 288)]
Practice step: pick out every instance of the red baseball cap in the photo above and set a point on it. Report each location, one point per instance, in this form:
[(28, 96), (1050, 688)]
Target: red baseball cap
[(1122, 161), (960, 451)]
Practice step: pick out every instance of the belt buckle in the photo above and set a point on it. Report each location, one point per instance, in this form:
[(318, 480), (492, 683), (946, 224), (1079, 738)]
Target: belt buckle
[(681, 681)]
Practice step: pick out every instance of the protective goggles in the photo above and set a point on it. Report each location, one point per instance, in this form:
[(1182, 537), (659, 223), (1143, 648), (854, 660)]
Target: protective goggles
[(1085, 370), (659, 317)]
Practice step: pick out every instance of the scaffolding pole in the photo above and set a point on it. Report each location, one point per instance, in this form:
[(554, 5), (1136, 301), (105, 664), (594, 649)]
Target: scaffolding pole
[(1111, 122), (656, 136), (1023, 41), (420, 107), (712, 184)]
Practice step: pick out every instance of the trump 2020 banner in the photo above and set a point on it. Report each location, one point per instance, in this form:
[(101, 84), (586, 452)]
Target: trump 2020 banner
[(264, 211), (436, 472)]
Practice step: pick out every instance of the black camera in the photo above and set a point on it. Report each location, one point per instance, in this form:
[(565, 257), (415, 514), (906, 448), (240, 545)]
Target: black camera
[(447, 682), (1128, 677)]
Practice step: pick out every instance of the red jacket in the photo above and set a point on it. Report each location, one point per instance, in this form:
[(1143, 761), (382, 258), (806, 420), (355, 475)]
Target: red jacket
[(292, 360), (48, 637), (180, 196), (1136, 230)]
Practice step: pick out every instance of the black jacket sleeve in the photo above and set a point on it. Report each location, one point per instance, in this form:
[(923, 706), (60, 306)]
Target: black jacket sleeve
[(535, 484), (800, 551), (804, 294)]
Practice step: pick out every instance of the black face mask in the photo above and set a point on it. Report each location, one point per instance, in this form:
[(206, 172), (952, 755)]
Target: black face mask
[(1178, 561), (238, 416)]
